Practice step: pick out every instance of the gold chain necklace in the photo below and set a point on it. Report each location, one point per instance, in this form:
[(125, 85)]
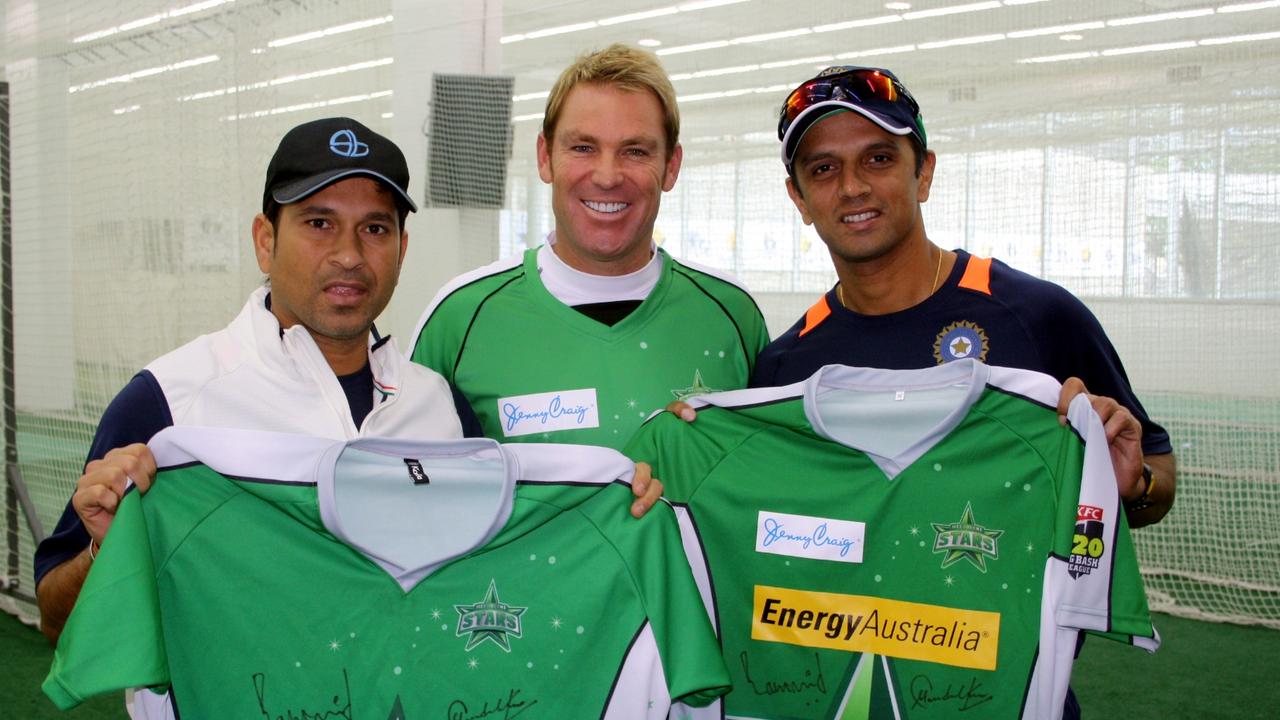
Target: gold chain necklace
[(937, 272)]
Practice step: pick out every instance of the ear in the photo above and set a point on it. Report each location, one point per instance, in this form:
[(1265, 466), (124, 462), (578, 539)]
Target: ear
[(926, 176), (544, 159), (798, 199), (264, 242), (673, 168), (404, 246)]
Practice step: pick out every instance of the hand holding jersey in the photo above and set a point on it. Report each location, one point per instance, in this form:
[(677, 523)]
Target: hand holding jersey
[(104, 482)]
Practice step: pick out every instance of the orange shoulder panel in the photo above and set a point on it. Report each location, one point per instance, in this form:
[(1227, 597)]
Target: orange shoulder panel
[(814, 316), (977, 275)]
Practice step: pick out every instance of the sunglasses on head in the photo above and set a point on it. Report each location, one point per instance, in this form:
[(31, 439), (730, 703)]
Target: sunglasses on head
[(868, 87)]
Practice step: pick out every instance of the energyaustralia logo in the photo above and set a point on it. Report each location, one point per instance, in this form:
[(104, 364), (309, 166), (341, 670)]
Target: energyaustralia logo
[(860, 623), (489, 619), (346, 144)]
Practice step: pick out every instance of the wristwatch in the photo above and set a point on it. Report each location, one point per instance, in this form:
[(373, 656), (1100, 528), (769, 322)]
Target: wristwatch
[(1143, 501)]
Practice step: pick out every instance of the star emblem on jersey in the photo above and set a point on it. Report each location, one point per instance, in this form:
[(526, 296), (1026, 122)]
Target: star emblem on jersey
[(697, 388), (489, 619), (959, 340), (966, 540)]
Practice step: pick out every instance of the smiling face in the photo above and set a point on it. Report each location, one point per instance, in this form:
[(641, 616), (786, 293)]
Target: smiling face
[(333, 259), (857, 185), (608, 165)]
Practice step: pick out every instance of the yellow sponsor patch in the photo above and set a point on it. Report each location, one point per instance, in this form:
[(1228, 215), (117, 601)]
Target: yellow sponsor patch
[(859, 623)]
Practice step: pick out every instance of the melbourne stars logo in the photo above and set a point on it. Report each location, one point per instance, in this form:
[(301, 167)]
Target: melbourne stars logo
[(959, 340), (489, 619), (697, 388), (966, 540)]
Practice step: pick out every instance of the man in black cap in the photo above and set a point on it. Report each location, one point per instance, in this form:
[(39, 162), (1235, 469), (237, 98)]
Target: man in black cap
[(858, 165), (302, 356)]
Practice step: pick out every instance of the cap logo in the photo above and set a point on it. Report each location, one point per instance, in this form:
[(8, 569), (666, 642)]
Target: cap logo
[(345, 143)]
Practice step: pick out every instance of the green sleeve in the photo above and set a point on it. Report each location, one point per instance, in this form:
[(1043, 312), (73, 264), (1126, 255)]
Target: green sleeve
[(437, 345), (683, 454), (1104, 592), (113, 639), (652, 550)]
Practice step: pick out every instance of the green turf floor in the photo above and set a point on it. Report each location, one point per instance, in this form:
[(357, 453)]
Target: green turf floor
[(1204, 671)]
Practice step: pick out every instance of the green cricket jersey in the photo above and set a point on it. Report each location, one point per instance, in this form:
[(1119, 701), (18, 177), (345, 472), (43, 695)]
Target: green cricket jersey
[(282, 576), (535, 369), (901, 543)]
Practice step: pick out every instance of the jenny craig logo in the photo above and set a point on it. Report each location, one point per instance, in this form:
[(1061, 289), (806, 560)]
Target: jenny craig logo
[(346, 144), (548, 412), (814, 538)]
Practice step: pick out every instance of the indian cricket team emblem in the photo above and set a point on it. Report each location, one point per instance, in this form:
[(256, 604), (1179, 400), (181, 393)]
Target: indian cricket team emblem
[(966, 540), (1087, 544), (959, 340), (489, 619)]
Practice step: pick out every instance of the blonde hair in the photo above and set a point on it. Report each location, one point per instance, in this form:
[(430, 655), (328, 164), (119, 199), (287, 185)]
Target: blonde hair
[(625, 67)]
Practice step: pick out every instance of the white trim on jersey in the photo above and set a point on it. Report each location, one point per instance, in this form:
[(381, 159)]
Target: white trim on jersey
[(641, 681), (476, 474), (717, 274), (494, 268)]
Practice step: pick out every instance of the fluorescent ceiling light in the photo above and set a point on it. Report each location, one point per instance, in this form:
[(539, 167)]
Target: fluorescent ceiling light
[(732, 93), (617, 20), (526, 118), (1240, 38), (139, 74), (1060, 58), (765, 37), (971, 40), (864, 22), (388, 115), (898, 5), (1057, 29), (648, 42), (329, 31), (1023, 2), (1157, 47), (797, 61), (127, 109), (150, 20), (681, 49), (1160, 17), (876, 51), (1246, 7), (561, 29), (286, 79), (704, 4), (310, 106), (643, 15), (953, 10)]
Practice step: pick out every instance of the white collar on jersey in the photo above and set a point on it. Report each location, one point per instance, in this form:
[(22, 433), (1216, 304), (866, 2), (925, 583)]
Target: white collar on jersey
[(574, 287), (894, 416), (408, 520)]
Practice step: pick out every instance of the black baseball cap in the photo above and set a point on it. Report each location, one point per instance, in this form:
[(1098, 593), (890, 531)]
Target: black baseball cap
[(317, 154)]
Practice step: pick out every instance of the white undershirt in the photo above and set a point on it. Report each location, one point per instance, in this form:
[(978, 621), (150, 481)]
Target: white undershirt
[(574, 287)]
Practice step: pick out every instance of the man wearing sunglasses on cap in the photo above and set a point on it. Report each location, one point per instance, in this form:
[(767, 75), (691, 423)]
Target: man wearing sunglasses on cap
[(858, 164)]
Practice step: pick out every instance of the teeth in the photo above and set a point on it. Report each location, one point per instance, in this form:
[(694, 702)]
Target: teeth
[(859, 217), (604, 207)]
